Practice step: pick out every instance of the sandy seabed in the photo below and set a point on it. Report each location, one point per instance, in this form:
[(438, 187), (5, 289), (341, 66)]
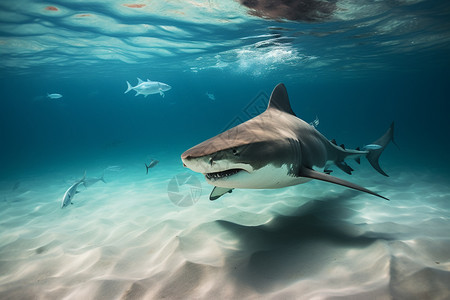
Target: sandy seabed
[(127, 240)]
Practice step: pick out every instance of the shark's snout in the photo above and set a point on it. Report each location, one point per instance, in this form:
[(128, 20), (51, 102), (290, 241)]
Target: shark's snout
[(209, 165), (196, 164)]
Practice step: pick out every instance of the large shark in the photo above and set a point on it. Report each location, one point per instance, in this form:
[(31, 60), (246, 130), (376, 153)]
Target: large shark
[(276, 149)]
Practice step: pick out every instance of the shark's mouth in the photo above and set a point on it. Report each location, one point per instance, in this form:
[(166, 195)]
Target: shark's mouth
[(222, 174)]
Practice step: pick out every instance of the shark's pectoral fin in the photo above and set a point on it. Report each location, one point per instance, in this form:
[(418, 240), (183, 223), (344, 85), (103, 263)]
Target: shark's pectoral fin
[(309, 173), (161, 93), (217, 192)]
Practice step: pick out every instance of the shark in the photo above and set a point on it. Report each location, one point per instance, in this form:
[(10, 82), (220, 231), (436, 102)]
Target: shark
[(148, 87), (73, 189), (71, 192), (276, 149)]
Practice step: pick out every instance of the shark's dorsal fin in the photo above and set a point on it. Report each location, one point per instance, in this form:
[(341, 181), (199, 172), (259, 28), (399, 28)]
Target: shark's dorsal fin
[(280, 100), (140, 80)]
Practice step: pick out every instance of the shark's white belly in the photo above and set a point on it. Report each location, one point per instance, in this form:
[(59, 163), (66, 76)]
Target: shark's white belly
[(268, 177)]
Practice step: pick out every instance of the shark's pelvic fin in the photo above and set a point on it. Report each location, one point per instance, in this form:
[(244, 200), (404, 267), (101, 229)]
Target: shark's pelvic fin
[(217, 192), (309, 173), (358, 159), (280, 100), (344, 167), (383, 141)]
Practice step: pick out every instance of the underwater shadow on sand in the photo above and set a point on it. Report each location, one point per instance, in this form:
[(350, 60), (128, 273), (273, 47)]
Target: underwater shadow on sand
[(298, 246)]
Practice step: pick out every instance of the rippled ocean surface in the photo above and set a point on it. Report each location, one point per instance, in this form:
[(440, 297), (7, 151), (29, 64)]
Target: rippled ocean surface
[(355, 65)]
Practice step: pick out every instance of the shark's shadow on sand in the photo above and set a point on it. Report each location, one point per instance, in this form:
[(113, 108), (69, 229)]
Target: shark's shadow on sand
[(298, 246)]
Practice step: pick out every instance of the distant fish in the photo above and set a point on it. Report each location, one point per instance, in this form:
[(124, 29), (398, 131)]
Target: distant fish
[(153, 163), (90, 181), (315, 123), (114, 168), (371, 147), (54, 96), (211, 96), (71, 192), (16, 185), (148, 87)]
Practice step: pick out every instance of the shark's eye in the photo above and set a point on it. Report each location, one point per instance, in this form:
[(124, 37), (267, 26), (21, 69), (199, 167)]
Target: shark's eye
[(235, 152)]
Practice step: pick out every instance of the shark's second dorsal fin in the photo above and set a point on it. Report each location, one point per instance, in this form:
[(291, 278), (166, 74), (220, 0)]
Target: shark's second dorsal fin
[(280, 100)]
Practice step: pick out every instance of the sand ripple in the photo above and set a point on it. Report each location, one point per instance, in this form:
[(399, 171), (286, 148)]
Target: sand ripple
[(126, 240)]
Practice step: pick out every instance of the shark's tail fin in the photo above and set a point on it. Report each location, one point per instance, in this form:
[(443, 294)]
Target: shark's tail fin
[(148, 167), (102, 178), (382, 142), (129, 87)]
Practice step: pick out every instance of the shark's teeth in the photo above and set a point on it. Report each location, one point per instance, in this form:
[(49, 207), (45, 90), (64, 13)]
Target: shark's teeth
[(222, 174)]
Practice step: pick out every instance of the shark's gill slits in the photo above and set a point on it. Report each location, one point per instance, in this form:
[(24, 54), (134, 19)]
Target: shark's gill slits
[(222, 174)]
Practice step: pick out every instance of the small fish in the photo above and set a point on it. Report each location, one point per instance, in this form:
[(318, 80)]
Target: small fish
[(148, 87), (16, 185), (71, 192), (54, 96), (114, 168), (371, 147), (153, 163), (211, 96)]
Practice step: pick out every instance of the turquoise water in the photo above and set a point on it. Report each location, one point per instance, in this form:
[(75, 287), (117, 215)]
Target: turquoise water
[(359, 69), (356, 65)]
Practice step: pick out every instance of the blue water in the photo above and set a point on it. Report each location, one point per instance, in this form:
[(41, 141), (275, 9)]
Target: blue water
[(388, 63), (94, 116), (358, 69)]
